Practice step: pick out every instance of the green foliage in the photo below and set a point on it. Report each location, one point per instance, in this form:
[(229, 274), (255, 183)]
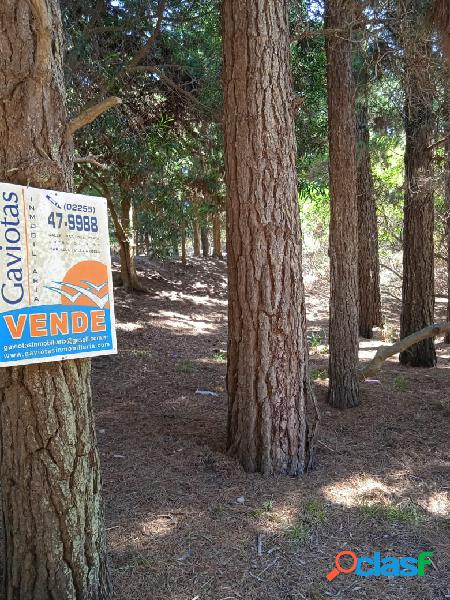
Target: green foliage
[(163, 146), (408, 513), (319, 374), (401, 384), (262, 510), (185, 366)]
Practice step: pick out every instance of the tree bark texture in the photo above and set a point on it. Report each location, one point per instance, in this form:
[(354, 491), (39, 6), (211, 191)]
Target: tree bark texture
[(50, 477), (217, 235), (272, 413), (183, 244), (196, 237), (204, 237), (368, 260), (418, 243), (344, 310), (447, 208), (128, 246)]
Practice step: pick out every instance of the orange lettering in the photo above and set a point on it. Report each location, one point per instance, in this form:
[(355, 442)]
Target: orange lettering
[(98, 320), (37, 325), (59, 323), (16, 330), (79, 322)]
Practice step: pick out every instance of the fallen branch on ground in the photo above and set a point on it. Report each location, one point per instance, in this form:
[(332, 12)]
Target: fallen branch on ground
[(385, 352)]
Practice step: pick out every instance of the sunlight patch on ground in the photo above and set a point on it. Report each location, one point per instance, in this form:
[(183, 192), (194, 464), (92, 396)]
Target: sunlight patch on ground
[(183, 323), (439, 504), (357, 490), (129, 326), (159, 525), (199, 300), (368, 348)]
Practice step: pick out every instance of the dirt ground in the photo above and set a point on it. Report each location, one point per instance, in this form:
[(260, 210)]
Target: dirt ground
[(184, 522)]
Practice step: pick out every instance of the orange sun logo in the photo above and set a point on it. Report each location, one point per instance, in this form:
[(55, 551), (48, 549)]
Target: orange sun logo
[(85, 284)]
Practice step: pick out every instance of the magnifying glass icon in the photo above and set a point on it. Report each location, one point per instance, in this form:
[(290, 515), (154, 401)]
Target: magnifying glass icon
[(339, 568)]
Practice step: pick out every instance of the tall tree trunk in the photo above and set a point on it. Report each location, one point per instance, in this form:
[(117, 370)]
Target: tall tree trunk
[(447, 207), (272, 414), (196, 237), (418, 244), (127, 245), (147, 243), (368, 260), (183, 244), (50, 476), (204, 237), (343, 335), (175, 252), (217, 238)]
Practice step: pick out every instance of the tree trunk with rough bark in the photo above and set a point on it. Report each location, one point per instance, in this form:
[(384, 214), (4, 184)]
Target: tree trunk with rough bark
[(343, 333), (127, 244), (183, 244), (368, 260), (147, 245), (418, 238), (174, 239), (447, 206), (196, 242), (50, 476), (204, 238), (217, 235), (272, 414)]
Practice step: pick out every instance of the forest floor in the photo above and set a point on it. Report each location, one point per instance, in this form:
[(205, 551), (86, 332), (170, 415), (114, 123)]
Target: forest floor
[(184, 520)]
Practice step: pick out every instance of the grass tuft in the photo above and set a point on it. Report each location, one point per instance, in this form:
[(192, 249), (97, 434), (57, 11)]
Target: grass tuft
[(401, 383), (392, 514), (266, 507), (185, 366), (220, 356)]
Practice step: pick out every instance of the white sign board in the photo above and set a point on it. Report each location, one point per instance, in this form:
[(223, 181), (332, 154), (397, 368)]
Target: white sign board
[(56, 291)]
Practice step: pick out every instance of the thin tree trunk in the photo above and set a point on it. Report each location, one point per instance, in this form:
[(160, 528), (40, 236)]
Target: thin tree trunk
[(147, 243), (127, 246), (183, 244), (447, 206), (343, 333), (196, 237), (272, 414), (204, 237), (174, 241), (217, 230), (50, 476), (418, 243), (368, 260)]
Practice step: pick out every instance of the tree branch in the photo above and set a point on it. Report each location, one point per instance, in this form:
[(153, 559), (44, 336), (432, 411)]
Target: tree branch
[(90, 114), (171, 84), (439, 142), (152, 39), (90, 160), (392, 270), (384, 352)]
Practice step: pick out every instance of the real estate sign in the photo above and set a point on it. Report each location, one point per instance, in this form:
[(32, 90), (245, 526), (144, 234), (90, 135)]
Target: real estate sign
[(56, 292)]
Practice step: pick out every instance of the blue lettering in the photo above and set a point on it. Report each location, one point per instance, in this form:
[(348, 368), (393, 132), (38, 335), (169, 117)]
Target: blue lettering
[(390, 567), (408, 566), (359, 570), (16, 300)]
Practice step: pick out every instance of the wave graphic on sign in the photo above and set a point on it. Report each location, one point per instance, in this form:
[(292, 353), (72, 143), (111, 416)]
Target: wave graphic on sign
[(88, 292), (85, 284)]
